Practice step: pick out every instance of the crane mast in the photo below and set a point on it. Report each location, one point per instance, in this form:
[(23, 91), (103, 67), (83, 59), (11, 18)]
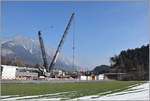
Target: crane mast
[(43, 52), (60, 44)]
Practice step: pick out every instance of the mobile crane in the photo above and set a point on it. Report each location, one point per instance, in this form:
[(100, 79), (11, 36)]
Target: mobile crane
[(47, 70), (43, 69)]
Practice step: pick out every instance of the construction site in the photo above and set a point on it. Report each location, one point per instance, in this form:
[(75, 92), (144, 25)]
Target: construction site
[(48, 71), (74, 51)]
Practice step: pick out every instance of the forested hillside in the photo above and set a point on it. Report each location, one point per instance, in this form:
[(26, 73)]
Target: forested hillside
[(101, 69), (134, 62)]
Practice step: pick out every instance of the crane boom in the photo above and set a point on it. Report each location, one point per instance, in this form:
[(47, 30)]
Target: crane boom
[(43, 51), (61, 43)]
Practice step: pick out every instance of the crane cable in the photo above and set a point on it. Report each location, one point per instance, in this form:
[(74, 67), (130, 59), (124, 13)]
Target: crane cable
[(73, 46)]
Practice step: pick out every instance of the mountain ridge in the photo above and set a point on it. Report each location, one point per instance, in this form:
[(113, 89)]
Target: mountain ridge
[(29, 51)]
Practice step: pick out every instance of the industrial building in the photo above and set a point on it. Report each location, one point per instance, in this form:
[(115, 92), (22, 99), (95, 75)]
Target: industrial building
[(19, 73), (26, 73)]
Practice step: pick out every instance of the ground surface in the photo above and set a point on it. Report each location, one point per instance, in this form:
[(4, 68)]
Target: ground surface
[(137, 93), (66, 91)]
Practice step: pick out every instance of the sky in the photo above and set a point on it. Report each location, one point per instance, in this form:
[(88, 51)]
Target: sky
[(101, 29)]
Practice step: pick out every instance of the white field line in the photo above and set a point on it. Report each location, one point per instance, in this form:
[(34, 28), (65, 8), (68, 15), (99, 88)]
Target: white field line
[(35, 96), (126, 89), (2, 97), (44, 99)]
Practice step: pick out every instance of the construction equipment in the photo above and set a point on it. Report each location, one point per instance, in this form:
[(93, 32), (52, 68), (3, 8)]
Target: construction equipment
[(60, 44), (46, 71), (45, 65)]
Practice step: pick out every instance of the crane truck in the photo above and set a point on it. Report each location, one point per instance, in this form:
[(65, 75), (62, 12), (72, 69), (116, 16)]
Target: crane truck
[(47, 70)]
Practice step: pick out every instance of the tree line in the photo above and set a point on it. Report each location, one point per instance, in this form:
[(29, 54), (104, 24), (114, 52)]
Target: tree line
[(133, 62)]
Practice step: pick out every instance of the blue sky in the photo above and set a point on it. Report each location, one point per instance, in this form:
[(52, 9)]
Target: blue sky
[(102, 29)]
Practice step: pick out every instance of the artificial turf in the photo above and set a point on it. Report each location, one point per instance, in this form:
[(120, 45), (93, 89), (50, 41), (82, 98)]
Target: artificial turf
[(81, 88)]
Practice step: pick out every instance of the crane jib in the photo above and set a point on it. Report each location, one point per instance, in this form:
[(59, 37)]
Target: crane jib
[(61, 43), (43, 51)]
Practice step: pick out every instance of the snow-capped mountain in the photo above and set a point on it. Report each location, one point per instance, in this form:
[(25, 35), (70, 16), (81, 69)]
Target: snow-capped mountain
[(28, 50)]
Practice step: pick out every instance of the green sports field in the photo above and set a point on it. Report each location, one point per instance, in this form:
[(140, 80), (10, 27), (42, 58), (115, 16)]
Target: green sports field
[(79, 88)]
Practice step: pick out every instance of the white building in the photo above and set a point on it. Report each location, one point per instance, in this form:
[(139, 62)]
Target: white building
[(14, 72), (8, 72), (93, 77), (101, 77), (83, 77)]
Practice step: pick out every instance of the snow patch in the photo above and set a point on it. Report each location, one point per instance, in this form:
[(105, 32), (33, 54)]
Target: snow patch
[(30, 50), (24, 47), (140, 92), (12, 44), (6, 52)]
